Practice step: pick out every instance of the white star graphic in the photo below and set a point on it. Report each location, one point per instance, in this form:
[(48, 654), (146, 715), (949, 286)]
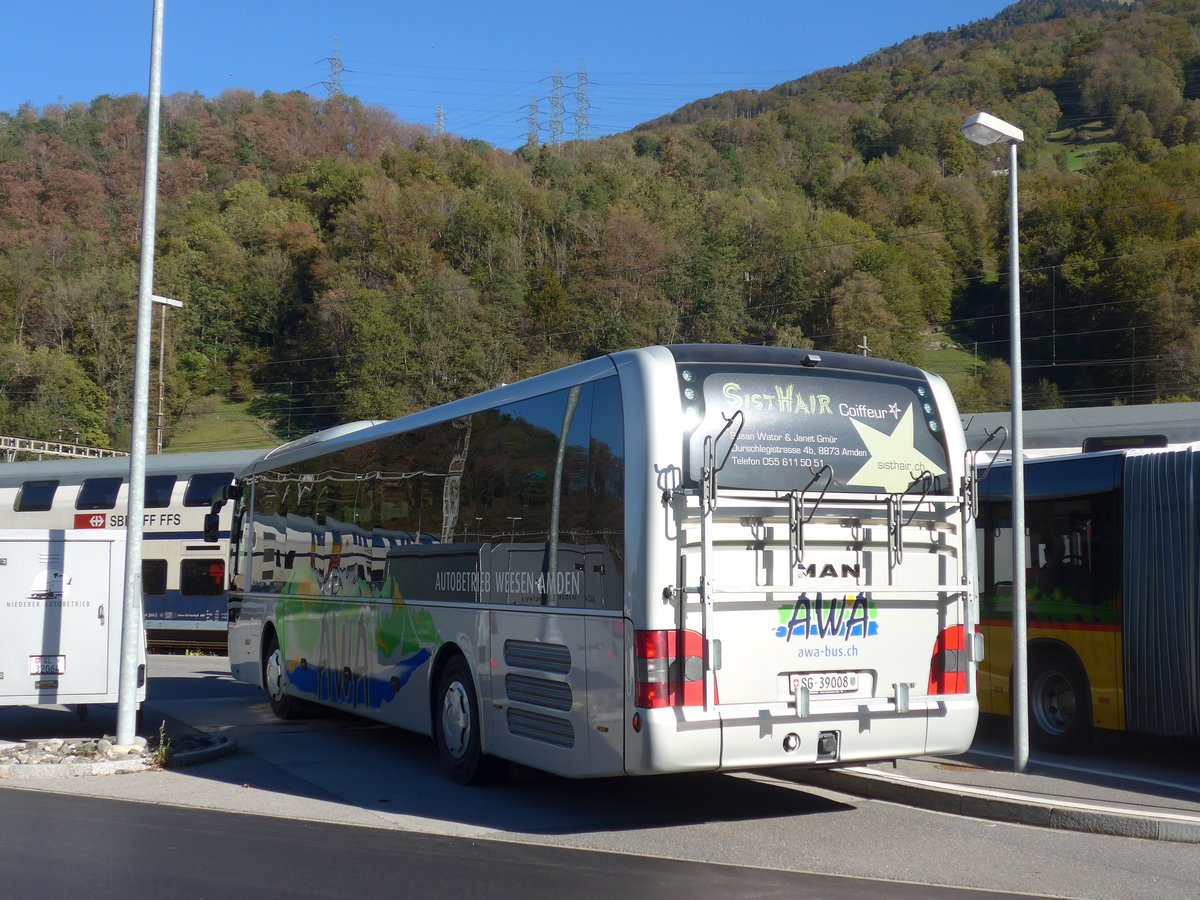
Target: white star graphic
[(894, 461)]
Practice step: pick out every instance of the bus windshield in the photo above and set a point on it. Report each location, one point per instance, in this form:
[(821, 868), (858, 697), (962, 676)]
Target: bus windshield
[(876, 433)]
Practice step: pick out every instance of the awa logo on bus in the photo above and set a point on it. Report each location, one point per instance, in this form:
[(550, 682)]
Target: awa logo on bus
[(845, 617)]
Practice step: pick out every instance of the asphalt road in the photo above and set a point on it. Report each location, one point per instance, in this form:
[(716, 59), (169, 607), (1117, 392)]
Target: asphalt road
[(62, 846), (331, 772)]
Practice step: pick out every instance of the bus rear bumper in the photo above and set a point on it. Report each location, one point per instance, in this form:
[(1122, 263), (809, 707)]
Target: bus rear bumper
[(671, 743)]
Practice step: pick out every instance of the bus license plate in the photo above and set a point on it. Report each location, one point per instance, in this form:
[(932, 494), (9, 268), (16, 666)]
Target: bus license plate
[(826, 682), (47, 665)]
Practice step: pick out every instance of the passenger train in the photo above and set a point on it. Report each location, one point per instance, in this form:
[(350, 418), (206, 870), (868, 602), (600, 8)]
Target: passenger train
[(183, 574)]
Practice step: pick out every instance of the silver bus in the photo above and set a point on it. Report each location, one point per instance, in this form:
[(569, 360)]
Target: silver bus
[(677, 558)]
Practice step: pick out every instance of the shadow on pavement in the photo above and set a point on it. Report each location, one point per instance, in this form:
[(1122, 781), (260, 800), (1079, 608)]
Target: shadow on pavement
[(341, 758)]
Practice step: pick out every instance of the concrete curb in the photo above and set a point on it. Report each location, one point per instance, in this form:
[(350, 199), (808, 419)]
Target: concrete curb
[(1006, 806), (20, 772), (220, 746), (188, 745)]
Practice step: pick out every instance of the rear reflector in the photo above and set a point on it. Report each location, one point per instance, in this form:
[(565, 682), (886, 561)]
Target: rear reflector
[(670, 668), (948, 667)]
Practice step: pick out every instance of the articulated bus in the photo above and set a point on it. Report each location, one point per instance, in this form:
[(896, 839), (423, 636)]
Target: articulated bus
[(183, 575), (1112, 593), (671, 559)]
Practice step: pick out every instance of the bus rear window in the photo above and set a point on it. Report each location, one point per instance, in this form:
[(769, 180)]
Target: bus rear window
[(876, 433), (201, 488), (201, 577), (98, 493), (35, 496)]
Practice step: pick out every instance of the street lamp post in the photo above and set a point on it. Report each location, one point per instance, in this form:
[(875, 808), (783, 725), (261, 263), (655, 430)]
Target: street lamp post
[(985, 129), (162, 346), (131, 621)]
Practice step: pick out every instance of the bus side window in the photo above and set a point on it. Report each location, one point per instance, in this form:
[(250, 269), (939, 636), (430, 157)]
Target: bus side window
[(606, 493), (36, 496), (154, 577), (1060, 556), (591, 514), (522, 459), (996, 571), (575, 540)]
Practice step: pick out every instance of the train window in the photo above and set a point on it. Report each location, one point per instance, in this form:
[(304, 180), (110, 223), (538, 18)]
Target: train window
[(158, 491), (154, 577), (201, 487), (201, 577), (35, 496), (98, 493)]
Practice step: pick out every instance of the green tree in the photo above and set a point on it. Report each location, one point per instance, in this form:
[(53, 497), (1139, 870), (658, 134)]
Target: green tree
[(44, 394)]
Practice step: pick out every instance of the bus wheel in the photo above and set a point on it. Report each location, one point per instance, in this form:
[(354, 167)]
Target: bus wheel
[(282, 704), (456, 727), (1060, 704)]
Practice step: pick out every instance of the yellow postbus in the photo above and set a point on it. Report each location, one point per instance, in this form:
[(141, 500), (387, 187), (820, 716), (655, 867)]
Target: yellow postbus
[(1112, 593)]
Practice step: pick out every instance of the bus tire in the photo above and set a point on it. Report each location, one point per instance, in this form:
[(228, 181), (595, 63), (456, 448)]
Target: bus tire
[(1060, 702), (456, 724), (283, 704)]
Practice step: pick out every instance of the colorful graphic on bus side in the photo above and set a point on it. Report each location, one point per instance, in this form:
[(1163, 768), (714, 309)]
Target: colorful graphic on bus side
[(352, 660)]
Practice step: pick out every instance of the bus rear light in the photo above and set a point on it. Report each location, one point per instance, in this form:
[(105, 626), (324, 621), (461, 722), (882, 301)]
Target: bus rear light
[(670, 669), (948, 667)]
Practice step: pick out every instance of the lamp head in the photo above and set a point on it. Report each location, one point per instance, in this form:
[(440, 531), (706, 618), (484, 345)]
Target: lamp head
[(985, 129)]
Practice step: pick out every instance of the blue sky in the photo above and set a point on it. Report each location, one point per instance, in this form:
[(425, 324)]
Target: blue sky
[(482, 63)]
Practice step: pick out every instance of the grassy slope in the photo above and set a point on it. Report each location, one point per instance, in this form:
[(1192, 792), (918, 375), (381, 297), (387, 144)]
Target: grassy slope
[(221, 425), (951, 362), (1083, 142)]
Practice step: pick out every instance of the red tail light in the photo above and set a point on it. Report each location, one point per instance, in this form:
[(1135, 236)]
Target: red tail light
[(670, 668), (948, 668)]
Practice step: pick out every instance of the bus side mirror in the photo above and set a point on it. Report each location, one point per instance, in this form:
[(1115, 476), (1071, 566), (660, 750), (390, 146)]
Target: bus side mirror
[(224, 494), (212, 527)]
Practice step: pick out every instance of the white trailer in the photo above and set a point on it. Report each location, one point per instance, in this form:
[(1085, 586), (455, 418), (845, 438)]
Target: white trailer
[(61, 617)]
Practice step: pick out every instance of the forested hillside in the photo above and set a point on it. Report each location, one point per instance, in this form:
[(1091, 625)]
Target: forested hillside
[(337, 264)]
